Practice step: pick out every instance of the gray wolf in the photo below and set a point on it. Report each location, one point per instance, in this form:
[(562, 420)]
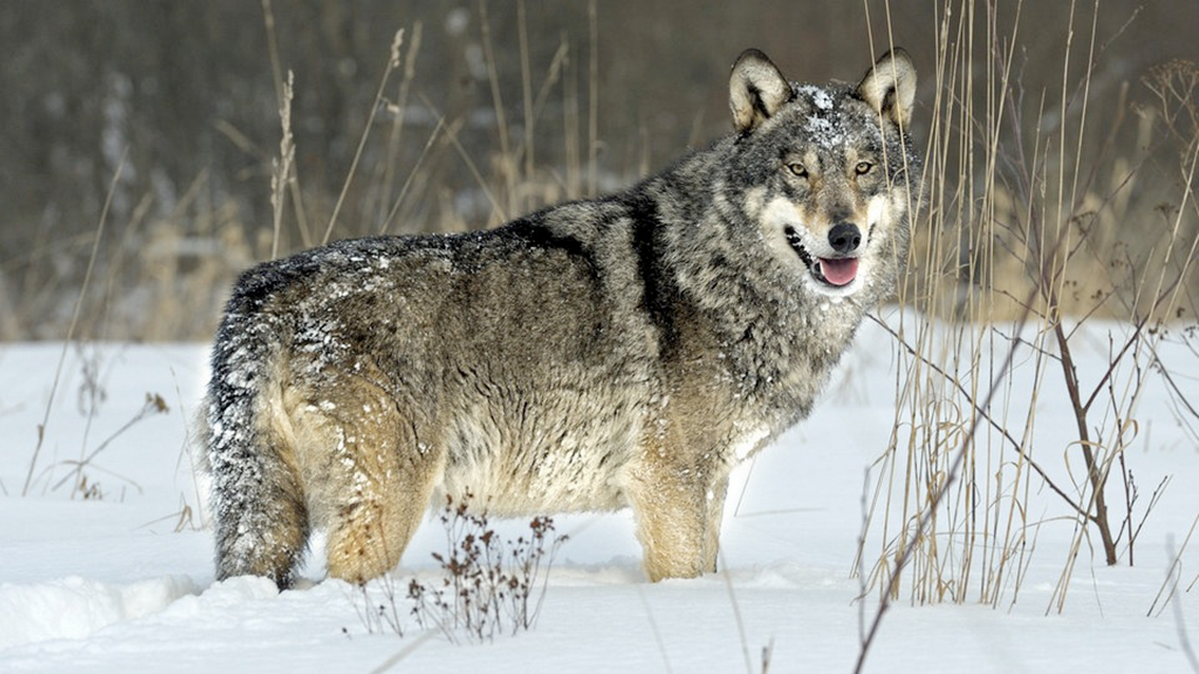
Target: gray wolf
[(626, 351)]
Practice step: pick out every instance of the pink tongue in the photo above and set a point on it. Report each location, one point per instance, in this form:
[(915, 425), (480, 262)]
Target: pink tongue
[(839, 272)]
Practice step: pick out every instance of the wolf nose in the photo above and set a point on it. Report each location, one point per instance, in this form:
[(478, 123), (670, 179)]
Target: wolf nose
[(845, 237)]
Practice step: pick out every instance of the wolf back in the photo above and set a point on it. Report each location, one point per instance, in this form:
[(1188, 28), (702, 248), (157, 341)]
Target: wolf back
[(626, 351)]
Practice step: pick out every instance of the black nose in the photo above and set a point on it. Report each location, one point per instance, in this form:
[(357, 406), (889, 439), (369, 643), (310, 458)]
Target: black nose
[(845, 237)]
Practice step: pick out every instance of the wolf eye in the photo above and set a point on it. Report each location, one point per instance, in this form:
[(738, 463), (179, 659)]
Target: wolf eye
[(797, 169), (863, 168)]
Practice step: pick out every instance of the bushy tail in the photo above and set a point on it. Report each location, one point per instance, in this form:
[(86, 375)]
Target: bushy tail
[(257, 499)]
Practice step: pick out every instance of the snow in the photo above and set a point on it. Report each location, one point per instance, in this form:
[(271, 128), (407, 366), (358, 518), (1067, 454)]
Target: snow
[(110, 585), (821, 98), (824, 131), (823, 126)]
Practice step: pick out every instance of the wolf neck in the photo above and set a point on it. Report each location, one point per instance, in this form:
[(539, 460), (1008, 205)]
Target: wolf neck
[(718, 299)]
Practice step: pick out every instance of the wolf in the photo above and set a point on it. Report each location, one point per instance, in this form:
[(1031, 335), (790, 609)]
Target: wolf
[(625, 351)]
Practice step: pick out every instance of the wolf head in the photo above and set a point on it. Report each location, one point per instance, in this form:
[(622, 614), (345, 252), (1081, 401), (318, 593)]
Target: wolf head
[(823, 172)]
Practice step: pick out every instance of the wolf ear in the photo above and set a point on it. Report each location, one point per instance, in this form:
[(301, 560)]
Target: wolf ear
[(890, 86), (756, 90)]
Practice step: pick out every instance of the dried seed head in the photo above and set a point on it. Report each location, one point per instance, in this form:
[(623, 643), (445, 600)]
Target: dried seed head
[(396, 42)]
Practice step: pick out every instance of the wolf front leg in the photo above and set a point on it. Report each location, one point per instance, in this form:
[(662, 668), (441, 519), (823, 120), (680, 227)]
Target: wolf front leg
[(678, 508)]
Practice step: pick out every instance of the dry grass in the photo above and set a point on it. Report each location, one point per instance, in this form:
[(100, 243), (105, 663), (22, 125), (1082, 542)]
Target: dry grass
[(1036, 226), (165, 275), (486, 586)]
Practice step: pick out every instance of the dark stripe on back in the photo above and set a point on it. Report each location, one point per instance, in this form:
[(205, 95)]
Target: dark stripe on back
[(661, 297), (532, 231)]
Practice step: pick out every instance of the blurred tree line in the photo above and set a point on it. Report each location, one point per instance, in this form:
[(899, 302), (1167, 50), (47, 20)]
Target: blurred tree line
[(185, 91)]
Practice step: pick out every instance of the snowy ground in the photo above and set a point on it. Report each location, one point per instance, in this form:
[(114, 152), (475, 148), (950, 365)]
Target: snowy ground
[(108, 585)]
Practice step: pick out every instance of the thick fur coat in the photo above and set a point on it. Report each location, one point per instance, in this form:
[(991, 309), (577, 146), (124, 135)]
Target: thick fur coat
[(623, 352)]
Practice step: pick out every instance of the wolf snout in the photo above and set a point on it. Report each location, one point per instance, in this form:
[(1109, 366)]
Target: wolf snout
[(845, 237)]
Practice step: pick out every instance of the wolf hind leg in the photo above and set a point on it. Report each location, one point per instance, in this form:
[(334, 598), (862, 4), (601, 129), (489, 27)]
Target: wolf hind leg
[(368, 538), (373, 481), (370, 531)]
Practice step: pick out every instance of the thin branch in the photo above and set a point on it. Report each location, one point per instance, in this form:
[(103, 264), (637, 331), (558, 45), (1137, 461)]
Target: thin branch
[(982, 412), (393, 62), (87, 277), (951, 477), (728, 583)]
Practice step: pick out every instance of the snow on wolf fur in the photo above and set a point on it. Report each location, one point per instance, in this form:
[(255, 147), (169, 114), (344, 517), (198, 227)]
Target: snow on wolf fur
[(626, 351)]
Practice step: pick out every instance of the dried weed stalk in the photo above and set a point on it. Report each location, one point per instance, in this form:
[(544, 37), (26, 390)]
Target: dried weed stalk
[(487, 586)]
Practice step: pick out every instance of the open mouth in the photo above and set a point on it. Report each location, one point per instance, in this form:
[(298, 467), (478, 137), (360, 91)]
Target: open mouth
[(835, 272)]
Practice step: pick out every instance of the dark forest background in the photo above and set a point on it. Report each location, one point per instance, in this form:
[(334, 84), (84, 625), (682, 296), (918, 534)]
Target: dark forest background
[(187, 93)]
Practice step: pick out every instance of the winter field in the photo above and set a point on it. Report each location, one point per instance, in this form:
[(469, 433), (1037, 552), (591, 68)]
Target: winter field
[(122, 581)]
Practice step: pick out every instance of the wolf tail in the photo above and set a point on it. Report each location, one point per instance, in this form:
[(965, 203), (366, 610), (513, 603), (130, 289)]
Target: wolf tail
[(257, 501)]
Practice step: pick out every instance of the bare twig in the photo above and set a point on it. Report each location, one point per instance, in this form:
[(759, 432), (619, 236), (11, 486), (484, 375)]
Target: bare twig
[(593, 101), (501, 119), (1095, 474), (951, 477), (982, 411), (395, 208), (154, 405), (728, 584), (87, 277), (281, 168), (451, 132), (268, 18), (403, 652), (653, 626), (393, 62), (397, 109), (1173, 573)]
